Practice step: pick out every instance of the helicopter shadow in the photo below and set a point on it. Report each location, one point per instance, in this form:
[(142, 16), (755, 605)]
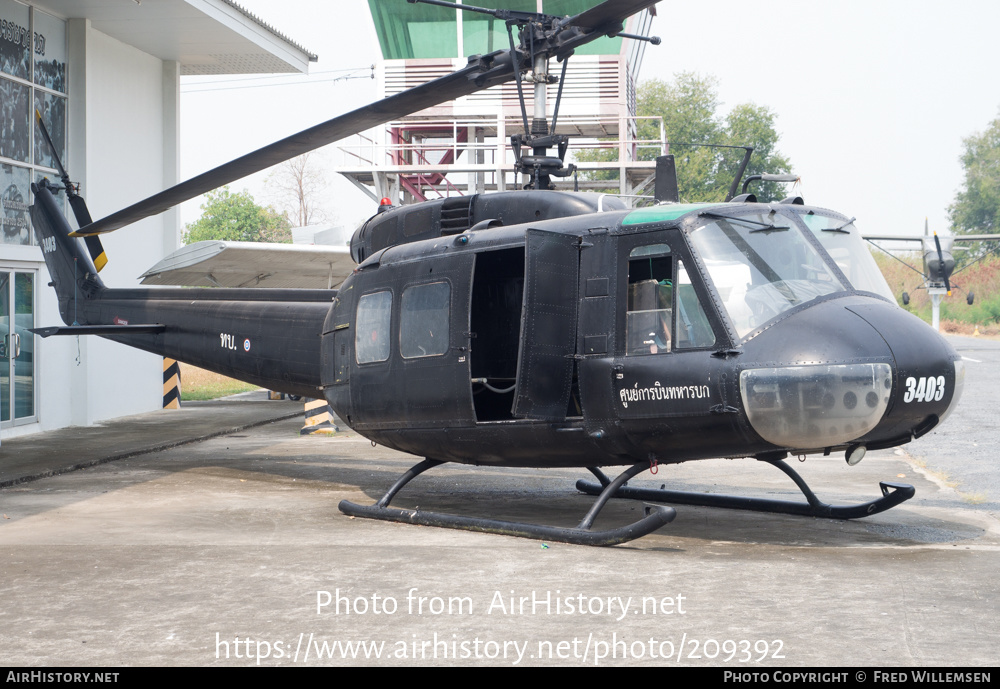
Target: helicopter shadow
[(548, 496)]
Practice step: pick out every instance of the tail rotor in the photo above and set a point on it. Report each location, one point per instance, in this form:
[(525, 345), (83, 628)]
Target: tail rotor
[(76, 202)]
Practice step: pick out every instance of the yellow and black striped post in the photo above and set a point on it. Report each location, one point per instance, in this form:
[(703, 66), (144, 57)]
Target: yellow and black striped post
[(319, 418), (171, 384)]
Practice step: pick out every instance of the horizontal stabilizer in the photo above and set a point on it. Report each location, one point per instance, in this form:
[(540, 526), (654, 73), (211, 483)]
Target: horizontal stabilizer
[(216, 263), (98, 330)]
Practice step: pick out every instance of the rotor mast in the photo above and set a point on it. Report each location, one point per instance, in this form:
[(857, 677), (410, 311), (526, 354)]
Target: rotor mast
[(538, 28), (540, 121)]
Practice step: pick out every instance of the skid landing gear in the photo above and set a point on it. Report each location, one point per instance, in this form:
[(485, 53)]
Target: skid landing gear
[(656, 515), (892, 495)]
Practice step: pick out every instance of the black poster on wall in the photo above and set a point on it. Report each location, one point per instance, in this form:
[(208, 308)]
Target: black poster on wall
[(14, 202), (14, 119), (50, 52)]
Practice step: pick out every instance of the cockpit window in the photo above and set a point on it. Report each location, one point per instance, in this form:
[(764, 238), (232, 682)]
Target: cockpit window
[(650, 300), (844, 244), (664, 312), (762, 265), (693, 329)]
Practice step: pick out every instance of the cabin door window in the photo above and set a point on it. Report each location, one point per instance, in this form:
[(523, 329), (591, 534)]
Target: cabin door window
[(371, 339), (424, 320)]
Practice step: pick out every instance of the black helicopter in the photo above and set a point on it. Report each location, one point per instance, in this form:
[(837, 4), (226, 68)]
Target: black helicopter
[(555, 329)]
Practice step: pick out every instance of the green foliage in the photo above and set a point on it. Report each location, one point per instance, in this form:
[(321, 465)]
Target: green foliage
[(212, 391), (983, 279), (199, 384), (688, 106), (976, 209), (237, 218)]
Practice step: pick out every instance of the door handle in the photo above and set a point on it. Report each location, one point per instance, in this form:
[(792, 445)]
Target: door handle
[(17, 345)]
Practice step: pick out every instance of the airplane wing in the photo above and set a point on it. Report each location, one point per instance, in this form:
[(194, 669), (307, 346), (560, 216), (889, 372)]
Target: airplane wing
[(922, 237), (253, 264)]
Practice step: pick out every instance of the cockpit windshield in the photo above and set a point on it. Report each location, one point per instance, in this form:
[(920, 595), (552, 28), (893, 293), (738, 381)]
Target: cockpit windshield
[(762, 265), (844, 244)]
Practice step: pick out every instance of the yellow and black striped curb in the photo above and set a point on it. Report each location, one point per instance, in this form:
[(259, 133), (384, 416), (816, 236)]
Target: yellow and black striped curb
[(319, 418), (171, 384)]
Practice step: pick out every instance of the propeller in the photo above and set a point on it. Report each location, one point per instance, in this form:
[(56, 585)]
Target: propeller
[(551, 37), (941, 266), (76, 201)]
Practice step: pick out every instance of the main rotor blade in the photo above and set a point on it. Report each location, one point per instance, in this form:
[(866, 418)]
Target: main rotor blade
[(487, 71), (481, 72), (609, 13)]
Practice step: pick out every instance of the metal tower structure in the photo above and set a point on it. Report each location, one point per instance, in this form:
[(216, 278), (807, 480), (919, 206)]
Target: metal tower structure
[(463, 146)]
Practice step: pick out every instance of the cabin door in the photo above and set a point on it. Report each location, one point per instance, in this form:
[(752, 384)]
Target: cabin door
[(411, 345), (545, 361)]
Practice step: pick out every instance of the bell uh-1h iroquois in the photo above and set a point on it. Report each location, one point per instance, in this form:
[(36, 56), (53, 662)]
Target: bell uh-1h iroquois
[(555, 329)]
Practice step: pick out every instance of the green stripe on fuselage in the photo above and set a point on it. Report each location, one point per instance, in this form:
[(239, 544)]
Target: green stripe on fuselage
[(663, 213)]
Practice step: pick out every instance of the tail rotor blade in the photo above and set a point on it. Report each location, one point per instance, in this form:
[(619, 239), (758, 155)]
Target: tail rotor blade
[(52, 148), (76, 201), (96, 250), (83, 219)]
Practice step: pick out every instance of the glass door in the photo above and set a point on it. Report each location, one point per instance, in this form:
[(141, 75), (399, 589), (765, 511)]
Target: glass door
[(17, 347)]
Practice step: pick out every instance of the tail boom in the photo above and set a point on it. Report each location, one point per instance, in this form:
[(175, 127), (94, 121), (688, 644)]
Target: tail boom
[(267, 337)]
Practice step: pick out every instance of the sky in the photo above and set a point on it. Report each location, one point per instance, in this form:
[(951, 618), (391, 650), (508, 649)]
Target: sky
[(872, 98)]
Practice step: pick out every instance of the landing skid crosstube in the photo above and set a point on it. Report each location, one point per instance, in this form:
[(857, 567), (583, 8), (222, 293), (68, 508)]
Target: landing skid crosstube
[(656, 515), (892, 495)]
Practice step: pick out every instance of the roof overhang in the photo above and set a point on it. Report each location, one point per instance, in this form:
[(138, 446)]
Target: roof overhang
[(204, 36)]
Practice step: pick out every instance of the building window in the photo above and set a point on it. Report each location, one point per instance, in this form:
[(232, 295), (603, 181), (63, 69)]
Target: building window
[(33, 77)]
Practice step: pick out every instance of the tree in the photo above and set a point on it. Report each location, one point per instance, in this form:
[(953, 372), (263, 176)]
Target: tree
[(297, 182), (688, 106), (976, 209), (237, 218)]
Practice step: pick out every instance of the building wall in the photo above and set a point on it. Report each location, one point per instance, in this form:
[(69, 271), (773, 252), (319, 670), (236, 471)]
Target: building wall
[(122, 147)]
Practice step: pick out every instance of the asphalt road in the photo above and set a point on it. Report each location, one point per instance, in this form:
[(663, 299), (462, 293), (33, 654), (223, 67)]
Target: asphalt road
[(963, 451)]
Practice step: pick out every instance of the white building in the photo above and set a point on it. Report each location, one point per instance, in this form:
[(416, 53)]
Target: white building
[(106, 78)]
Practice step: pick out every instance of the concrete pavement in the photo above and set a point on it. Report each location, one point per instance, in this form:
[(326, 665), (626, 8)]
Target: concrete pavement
[(231, 551)]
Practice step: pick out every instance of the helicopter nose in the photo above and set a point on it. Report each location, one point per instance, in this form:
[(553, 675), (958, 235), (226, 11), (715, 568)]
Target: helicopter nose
[(928, 374), (852, 372)]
